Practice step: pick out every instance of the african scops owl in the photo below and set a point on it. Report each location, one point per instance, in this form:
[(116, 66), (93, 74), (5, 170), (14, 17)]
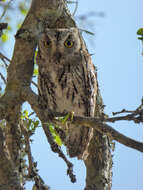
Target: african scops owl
[(67, 82)]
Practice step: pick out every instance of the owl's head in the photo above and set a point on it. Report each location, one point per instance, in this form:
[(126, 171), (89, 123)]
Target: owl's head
[(59, 42)]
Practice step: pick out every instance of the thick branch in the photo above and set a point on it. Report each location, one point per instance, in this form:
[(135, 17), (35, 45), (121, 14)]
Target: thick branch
[(9, 178), (109, 131), (96, 123)]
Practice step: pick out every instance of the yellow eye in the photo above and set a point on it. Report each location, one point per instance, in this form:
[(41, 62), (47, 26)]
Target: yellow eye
[(68, 43)]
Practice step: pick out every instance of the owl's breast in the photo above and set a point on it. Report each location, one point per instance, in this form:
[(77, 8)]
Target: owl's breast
[(67, 87)]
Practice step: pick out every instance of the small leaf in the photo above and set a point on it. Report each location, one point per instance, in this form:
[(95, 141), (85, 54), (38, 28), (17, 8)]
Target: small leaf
[(18, 25), (58, 140), (9, 28), (51, 127), (36, 123), (140, 38), (4, 37), (35, 56), (56, 137), (140, 31), (35, 72), (23, 9), (24, 114), (65, 118)]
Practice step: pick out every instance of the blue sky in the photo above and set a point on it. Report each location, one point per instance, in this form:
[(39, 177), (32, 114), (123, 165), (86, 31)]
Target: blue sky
[(120, 67)]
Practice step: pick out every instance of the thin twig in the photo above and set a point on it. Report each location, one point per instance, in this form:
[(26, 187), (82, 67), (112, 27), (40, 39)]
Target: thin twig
[(136, 116), (3, 78), (76, 7), (32, 170), (34, 84), (55, 148), (5, 9), (31, 114), (122, 111), (4, 57)]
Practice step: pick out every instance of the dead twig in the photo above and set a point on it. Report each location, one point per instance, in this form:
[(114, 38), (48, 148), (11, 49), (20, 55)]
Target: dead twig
[(34, 84), (5, 9), (55, 148), (32, 170), (3, 78), (4, 57)]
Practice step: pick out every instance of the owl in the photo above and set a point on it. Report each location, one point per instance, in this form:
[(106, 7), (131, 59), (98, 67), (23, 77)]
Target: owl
[(67, 83)]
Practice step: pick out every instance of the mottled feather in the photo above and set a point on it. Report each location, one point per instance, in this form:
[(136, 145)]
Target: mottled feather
[(67, 82)]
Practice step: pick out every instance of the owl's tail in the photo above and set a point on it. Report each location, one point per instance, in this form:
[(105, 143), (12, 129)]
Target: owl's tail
[(78, 140)]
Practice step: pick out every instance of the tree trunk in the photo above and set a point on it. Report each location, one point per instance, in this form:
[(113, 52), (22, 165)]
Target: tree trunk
[(99, 164)]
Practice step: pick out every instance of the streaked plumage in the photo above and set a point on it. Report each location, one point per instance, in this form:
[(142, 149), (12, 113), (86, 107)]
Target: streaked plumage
[(67, 82)]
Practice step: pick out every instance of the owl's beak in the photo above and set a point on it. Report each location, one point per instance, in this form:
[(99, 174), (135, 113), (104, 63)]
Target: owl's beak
[(58, 55)]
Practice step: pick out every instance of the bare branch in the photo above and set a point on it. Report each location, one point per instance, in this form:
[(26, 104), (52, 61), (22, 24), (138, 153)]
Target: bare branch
[(4, 57), (34, 84), (3, 78), (109, 131), (96, 123), (5, 9), (55, 148), (136, 116)]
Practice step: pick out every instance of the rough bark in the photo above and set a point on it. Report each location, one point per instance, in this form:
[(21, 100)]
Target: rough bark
[(42, 14), (99, 162)]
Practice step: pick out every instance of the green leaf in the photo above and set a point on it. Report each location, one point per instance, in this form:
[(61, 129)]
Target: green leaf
[(36, 123), (4, 37), (35, 71), (65, 118), (56, 137), (140, 38), (58, 140), (9, 28), (51, 127), (24, 114), (23, 8), (32, 125), (140, 31), (19, 25), (35, 56)]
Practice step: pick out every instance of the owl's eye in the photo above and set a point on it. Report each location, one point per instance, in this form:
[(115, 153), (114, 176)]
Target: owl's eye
[(68, 43)]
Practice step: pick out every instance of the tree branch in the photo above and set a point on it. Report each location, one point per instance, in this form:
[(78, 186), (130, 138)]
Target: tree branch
[(9, 178), (96, 123), (109, 131)]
